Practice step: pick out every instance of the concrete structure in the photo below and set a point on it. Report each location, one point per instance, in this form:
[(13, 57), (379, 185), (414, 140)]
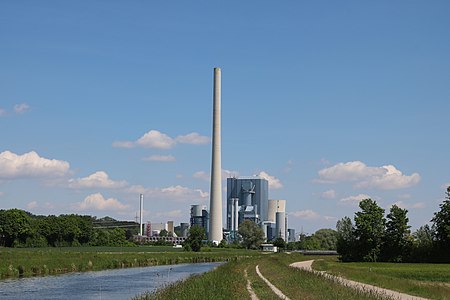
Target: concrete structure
[(184, 229), (274, 207), (200, 217), (247, 199), (215, 234), (291, 235), (268, 248), (141, 213), (170, 227), (281, 225)]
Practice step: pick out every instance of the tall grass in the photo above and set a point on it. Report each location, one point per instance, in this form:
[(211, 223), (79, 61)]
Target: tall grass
[(229, 282), (45, 261), (424, 280)]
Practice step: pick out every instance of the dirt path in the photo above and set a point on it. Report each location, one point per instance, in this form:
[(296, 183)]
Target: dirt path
[(272, 287), (249, 287), (306, 265)]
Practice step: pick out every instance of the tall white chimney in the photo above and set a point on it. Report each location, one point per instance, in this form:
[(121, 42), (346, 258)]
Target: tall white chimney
[(215, 206), (141, 213)]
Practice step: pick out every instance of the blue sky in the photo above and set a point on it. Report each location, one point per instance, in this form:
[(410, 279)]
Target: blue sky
[(332, 101)]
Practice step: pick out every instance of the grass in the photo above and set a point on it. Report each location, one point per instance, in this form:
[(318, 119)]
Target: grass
[(229, 282), (45, 261), (425, 280)]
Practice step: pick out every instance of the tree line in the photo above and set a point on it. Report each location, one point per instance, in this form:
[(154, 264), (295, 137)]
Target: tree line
[(19, 228), (372, 237)]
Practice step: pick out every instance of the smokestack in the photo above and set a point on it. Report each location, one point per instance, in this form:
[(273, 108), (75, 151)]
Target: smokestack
[(215, 206), (141, 213)]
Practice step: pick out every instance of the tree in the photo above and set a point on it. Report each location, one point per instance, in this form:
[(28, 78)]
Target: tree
[(423, 244), (194, 240), (15, 227), (280, 243), (345, 244), (397, 243), (252, 235), (441, 224), (326, 238), (163, 233), (369, 230)]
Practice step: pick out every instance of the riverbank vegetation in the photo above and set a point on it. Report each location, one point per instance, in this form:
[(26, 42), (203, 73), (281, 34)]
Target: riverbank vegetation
[(374, 238), (425, 280), (229, 282), (18, 262)]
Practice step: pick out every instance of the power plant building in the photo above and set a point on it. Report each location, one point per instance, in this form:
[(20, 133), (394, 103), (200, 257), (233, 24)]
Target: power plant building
[(247, 199), (200, 217)]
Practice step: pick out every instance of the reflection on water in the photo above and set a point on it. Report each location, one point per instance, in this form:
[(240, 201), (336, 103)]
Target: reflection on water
[(110, 284)]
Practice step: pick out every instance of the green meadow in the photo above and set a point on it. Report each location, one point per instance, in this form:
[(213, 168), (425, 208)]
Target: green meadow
[(420, 279)]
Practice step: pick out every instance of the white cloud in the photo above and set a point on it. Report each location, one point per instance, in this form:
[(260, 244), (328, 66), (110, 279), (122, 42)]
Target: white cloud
[(355, 199), (30, 164), (274, 183), (99, 179), (403, 205), (229, 174), (175, 193), (158, 140), (201, 175), (330, 194), (386, 177), (98, 202), (193, 138), (32, 205), (161, 158), (21, 108), (305, 214)]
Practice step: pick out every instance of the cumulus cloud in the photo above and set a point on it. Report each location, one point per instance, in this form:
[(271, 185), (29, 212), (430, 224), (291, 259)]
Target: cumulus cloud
[(28, 165), (161, 158), (99, 179), (175, 193), (21, 108), (305, 214), (385, 177), (274, 183), (98, 202), (355, 199), (201, 175), (158, 140), (193, 138), (330, 194), (404, 205)]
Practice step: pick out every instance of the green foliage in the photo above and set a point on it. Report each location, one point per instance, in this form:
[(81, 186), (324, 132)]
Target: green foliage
[(369, 230), (163, 233), (15, 227), (346, 240), (194, 240), (441, 222), (280, 243), (326, 238), (398, 241), (252, 235)]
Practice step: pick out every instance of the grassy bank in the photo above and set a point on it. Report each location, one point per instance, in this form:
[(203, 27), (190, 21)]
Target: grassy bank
[(425, 280), (229, 282), (49, 261)]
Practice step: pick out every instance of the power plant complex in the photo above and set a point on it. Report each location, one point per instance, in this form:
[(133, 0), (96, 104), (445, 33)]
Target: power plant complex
[(247, 198)]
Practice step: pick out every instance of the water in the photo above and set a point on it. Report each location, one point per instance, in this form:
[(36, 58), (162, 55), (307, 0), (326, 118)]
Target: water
[(110, 284)]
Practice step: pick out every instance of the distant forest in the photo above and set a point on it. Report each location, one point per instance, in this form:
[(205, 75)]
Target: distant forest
[(19, 228)]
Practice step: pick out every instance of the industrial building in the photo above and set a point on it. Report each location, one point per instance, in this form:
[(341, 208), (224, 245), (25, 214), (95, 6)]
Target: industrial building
[(247, 199), (200, 217)]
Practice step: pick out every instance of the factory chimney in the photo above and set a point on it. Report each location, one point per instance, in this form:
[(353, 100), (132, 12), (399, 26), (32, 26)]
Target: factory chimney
[(141, 213), (215, 206)]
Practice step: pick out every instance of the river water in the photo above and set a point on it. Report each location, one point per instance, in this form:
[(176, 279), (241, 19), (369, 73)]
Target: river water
[(110, 284)]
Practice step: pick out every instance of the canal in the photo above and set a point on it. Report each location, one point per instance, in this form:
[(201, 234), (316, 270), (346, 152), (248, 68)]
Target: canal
[(110, 284)]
